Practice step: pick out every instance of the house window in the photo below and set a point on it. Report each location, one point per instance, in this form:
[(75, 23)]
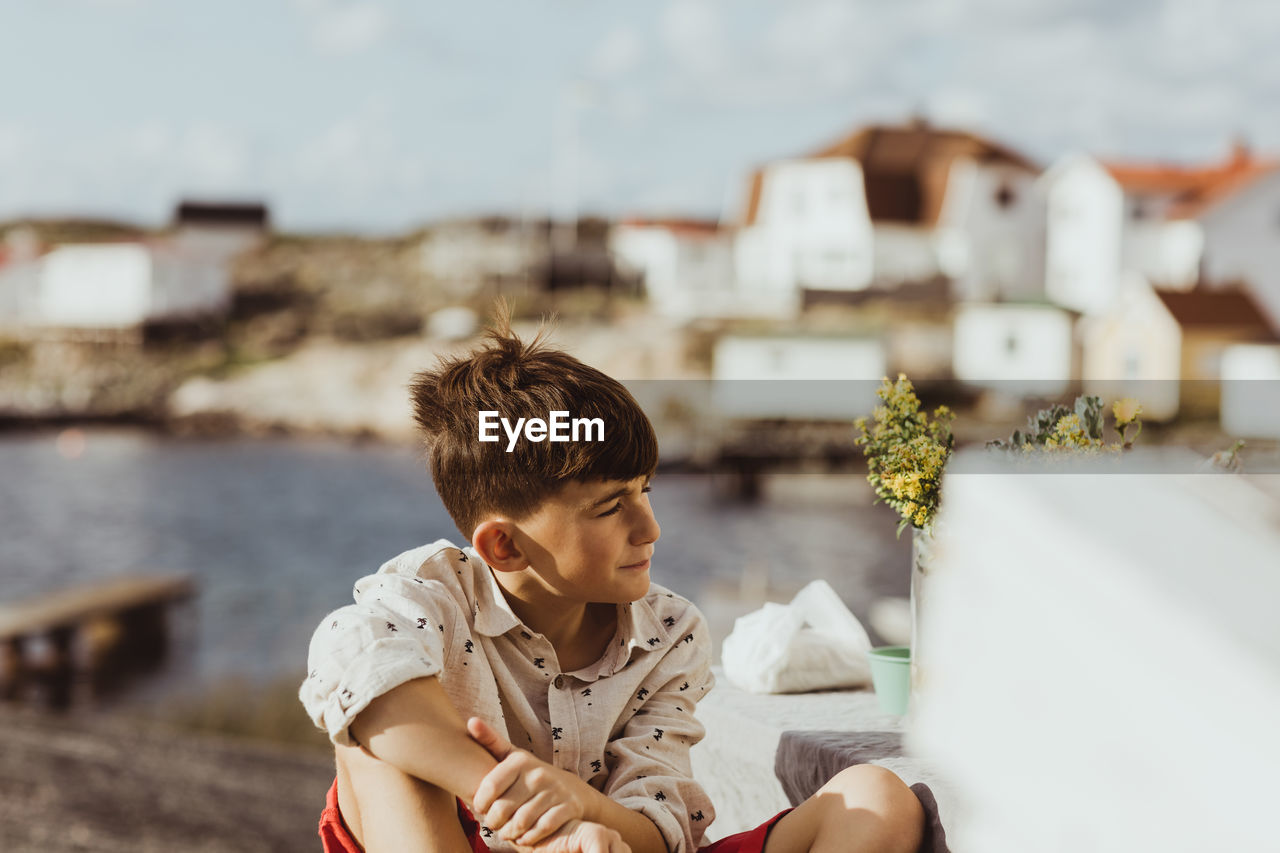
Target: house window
[(1132, 364), (1005, 197)]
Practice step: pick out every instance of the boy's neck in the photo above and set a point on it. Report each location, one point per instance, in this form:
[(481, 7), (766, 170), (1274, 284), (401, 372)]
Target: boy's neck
[(578, 631)]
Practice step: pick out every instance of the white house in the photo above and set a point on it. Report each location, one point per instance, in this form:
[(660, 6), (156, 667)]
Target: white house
[(125, 284), (1250, 405), (1214, 224), (1083, 232), (687, 269), (806, 226), (797, 377), (1134, 349), (1240, 222), (462, 255), (889, 205), (1022, 349)]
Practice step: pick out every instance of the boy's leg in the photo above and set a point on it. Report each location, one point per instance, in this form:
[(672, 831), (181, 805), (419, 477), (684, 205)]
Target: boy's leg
[(388, 810), (862, 808)]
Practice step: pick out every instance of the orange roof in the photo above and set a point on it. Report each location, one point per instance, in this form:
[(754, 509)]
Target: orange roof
[(1192, 189), (904, 167)]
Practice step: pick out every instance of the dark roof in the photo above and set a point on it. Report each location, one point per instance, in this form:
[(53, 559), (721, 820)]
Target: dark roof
[(221, 213), (905, 167), (1232, 308)]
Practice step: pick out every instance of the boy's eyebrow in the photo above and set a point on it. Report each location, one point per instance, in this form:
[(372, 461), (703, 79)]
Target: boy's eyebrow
[(612, 496), (615, 494)]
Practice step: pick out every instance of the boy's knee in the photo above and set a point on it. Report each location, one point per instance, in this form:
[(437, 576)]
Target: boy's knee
[(873, 788)]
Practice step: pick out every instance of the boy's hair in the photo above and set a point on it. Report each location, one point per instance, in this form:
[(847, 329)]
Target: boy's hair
[(520, 380)]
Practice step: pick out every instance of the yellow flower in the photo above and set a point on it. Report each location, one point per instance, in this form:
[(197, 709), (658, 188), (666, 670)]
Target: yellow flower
[(1126, 411)]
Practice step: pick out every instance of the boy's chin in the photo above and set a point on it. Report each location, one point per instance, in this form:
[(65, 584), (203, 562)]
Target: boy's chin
[(635, 589)]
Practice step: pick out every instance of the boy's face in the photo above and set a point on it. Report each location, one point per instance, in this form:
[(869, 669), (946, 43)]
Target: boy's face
[(591, 542)]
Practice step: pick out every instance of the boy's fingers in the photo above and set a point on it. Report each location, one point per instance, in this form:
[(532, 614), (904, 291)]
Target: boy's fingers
[(550, 821), (485, 735), (495, 784), (526, 817)]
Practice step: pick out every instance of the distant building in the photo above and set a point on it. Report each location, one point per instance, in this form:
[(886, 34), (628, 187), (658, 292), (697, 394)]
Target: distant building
[(1210, 322), (463, 256), (796, 377), (890, 205), (685, 268), (125, 285), (1134, 349), (1083, 235), (466, 257), (1017, 349), (1250, 406)]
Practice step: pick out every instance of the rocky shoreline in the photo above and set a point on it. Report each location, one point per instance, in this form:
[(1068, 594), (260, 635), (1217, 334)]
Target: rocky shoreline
[(108, 783)]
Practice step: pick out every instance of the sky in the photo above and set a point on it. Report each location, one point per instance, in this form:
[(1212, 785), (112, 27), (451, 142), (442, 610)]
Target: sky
[(379, 116)]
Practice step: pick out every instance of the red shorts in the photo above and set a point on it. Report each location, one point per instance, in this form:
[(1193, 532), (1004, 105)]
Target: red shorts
[(338, 839)]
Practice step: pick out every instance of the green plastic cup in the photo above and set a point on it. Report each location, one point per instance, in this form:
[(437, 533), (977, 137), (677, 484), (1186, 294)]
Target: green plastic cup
[(891, 677)]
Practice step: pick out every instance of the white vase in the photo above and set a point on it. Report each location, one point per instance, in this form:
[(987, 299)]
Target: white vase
[(921, 564)]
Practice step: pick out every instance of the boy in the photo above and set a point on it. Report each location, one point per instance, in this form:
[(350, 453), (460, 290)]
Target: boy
[(579, 677)]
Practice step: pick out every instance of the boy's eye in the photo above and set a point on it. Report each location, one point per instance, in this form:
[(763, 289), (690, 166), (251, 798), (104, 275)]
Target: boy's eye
[(616, 508)]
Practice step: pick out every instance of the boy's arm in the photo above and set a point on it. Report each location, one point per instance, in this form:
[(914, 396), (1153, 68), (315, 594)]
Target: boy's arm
[(495, 797), (415, 728)]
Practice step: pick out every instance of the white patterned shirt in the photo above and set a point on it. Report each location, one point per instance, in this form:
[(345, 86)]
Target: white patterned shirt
[(624, 723)]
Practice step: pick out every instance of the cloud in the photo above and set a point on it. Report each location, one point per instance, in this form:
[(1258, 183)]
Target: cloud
[(336, 28), (617, 53)]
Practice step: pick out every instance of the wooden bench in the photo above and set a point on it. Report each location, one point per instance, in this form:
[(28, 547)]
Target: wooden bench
[(100, 627)]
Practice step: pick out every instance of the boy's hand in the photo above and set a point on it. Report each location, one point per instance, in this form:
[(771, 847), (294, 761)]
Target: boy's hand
[(525, 800), (581, 836)]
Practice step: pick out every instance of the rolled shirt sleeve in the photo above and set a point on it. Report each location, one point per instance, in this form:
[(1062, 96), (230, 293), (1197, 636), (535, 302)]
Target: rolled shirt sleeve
[(651, 771), (395, 632)]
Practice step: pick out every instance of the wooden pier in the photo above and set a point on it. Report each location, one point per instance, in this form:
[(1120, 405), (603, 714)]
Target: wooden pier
[(98, 630)]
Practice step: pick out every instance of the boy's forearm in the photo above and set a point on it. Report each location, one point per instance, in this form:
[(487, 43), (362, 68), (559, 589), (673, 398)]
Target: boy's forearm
[(415, 728), (640, 833)]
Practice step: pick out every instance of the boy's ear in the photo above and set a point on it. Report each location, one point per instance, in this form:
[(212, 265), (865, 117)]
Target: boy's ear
[(495, 543)]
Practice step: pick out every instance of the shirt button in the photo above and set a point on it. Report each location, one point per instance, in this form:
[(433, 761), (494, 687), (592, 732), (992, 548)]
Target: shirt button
[(559, 682)]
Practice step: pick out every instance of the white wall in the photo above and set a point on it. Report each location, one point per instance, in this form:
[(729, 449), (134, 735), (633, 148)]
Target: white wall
[(1167, 253), (1084, 217), (1103, 665), (796, 377), (686, 275), (1002, 255), (911, 253), (1250, 406), (1242, 241), (1134, 350), (1027, 344), (811, 230), (99, 286)]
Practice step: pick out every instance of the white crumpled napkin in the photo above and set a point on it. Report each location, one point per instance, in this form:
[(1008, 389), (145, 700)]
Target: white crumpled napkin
[(813, 643)]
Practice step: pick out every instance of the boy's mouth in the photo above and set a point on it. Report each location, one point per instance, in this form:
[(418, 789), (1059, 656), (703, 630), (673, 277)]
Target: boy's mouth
[(643, 564)]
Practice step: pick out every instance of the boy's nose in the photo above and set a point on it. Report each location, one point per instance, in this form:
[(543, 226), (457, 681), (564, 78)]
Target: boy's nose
[(647, 529)]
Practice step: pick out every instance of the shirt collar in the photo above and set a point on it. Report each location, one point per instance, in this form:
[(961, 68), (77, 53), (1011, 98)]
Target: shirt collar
[(639, 628), (494, 616)]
